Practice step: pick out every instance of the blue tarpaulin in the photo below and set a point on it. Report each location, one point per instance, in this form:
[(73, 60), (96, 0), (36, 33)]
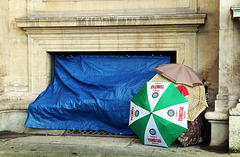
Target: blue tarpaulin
[(92, 92)]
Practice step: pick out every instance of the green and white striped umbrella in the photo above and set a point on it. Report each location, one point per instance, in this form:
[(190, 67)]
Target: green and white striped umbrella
[(158, 113)]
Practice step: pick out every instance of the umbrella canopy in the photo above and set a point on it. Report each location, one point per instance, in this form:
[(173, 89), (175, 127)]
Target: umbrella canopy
[(158, 113), (196, 98), (179, 73), (183, 90)]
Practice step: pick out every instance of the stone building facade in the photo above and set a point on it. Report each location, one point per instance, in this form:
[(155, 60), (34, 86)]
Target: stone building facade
[(202, 33)]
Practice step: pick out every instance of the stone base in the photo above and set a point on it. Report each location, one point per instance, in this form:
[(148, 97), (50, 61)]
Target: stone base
[(219, 128), (234, 129), (234, 132), (13, 120), (13, 115)]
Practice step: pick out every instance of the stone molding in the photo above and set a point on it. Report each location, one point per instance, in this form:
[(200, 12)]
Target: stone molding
[(58, 19), (14, 105), (57, 32), (235, 12), (235, 111), (70, 40), (216, 116)]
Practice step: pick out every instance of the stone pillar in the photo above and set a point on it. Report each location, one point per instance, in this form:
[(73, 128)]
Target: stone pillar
[(234, 129), (234, 113), (3, 44), (227, 89), (229, 73), (219, 128)]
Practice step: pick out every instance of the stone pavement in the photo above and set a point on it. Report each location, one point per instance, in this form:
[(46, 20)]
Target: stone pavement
[(68, 146)]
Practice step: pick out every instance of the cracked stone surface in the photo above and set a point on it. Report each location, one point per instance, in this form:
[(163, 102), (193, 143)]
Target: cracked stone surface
[(36, 145)]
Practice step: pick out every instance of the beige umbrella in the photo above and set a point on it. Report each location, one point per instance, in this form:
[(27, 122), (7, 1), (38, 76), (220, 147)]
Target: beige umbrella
[(180, 73), (196, 98)]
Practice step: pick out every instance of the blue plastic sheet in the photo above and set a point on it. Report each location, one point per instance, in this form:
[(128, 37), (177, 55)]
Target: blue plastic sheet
[(92, 92)]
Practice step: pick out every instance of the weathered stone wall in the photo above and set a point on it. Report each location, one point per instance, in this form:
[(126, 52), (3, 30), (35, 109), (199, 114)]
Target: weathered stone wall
[(208, 47), (3, 43), (229, 56), (15, 66), (229, 73), (223, 121), (114, 7), (13, 47), (230, 37)]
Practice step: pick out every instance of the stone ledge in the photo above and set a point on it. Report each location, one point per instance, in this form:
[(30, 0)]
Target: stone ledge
[(60, 20), (235, 111), (216, 116), (235, 12), (14, 105)]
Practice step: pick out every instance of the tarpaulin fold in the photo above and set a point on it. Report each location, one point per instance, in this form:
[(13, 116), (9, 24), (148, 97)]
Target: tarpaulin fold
[(92, 92)]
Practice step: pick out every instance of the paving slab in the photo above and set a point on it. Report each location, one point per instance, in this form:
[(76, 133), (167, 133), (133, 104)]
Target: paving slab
[(44, 131), (58, 146)]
